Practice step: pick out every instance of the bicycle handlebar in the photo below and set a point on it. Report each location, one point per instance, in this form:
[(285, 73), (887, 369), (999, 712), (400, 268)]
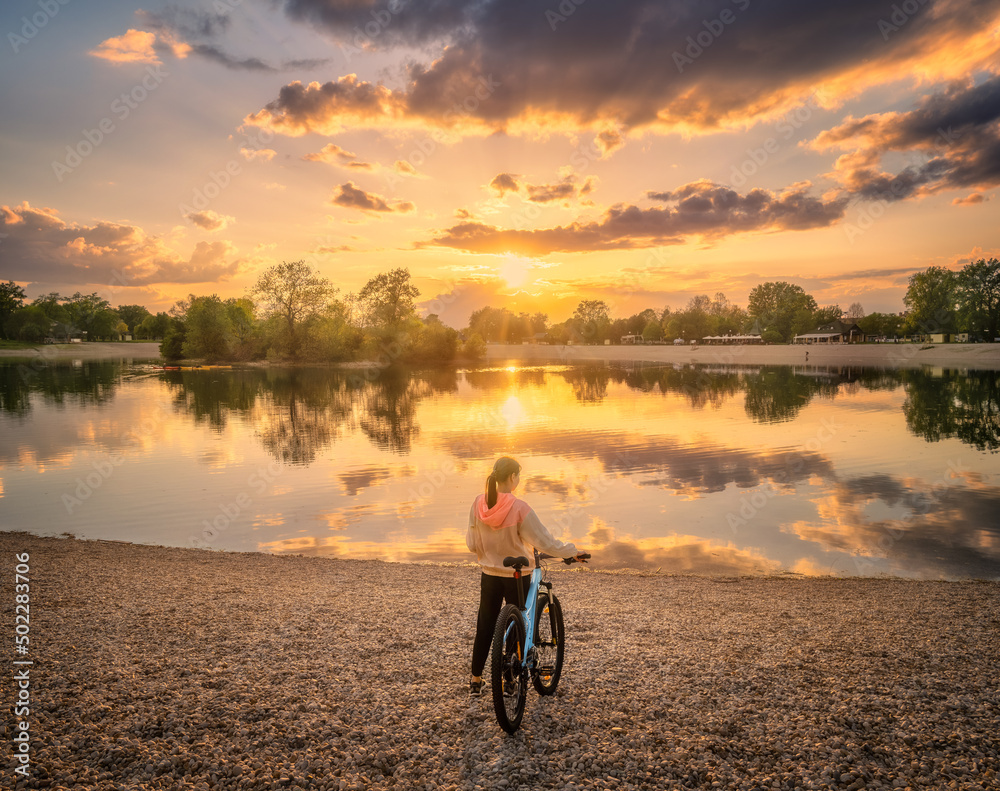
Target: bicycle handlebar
[(583, 557)]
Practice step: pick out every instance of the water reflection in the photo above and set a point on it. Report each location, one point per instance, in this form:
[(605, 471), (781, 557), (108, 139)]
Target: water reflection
[(710, 469)]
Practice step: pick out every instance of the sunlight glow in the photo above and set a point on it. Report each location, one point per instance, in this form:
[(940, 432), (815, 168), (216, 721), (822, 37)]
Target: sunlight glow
[(514, 269)]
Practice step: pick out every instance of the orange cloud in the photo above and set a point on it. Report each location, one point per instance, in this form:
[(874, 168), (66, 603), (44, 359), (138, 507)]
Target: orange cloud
[(134, 46)]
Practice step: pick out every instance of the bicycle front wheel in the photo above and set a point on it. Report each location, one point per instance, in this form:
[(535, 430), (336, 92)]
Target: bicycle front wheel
[(548, 638), (509, 671)]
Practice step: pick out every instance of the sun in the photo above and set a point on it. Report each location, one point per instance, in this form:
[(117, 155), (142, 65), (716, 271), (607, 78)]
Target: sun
[(514, 269)]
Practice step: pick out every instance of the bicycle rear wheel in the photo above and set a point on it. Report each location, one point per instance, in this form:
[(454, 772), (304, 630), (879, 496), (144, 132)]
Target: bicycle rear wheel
[(548, 639), (509, 672)]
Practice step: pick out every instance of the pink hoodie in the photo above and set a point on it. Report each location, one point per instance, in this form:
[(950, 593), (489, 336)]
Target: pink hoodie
[(509, 528)]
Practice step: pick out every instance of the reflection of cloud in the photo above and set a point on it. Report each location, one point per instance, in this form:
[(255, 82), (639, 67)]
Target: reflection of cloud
[(948, 532), (357, 480), (673, 465), (675, 554)]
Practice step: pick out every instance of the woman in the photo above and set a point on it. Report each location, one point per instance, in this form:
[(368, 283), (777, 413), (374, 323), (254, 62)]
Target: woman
[(501, 525)]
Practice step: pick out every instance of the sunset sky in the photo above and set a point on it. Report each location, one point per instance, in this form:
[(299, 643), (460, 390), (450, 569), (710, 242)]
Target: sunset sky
[(525, 153)]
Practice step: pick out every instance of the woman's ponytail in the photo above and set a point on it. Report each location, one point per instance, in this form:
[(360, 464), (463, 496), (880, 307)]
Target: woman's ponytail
[(491, 490), (505, 467)]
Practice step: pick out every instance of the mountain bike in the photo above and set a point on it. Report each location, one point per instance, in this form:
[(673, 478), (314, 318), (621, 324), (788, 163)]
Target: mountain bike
[(528, 641)]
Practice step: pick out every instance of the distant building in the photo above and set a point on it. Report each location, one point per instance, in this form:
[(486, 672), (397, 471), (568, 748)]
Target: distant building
[(731, 339), (632, 339), (837, 331)]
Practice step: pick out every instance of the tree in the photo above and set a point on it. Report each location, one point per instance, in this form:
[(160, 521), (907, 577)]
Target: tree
[(292, 291), (388, 300), (172, 345), (11, 299), (931, 296), (855, 311), (132, 315), (154, 326), (591, 320), (775, 304), (28, 324), (653, 331), (209, 330), (978, 289)]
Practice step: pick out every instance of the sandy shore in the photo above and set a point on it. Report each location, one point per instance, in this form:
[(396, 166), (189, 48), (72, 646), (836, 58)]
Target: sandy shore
[(966, 355), (87, 351), (969, 355), (158, 668)]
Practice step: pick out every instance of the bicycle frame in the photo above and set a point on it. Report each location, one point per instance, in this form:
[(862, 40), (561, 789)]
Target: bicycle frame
[(528, 608)]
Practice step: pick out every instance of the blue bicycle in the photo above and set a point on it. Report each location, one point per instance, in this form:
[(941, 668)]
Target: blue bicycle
[(527, 641)]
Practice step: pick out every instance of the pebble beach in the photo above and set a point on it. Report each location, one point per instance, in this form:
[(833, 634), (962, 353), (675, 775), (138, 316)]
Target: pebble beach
[(167, 668)]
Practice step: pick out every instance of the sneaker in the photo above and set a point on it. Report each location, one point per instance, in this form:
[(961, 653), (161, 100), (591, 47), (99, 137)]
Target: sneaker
[(475, 688)]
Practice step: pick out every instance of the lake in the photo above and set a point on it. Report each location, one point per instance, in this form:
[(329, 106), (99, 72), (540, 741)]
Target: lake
[(726, 470)]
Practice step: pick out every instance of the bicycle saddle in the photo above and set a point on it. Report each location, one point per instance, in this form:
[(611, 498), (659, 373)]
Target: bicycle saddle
[(517, 562)]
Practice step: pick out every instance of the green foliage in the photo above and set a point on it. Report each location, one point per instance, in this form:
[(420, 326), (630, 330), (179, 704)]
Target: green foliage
[(330, 338), (931, 297), (153, 326), (172, 346), (132, 315), (208, 329), (387, 300), (591, 322), (28, 324), (653, 331), (978, 291), (777, 305), (504, 326), (474, 347), (881, 325), (11, 299), (771, 336), (293, 292), (433, 342)]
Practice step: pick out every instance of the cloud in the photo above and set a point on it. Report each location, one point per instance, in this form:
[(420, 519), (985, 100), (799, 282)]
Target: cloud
[(503, 183), (954, 133), (182, 31), (567, 188), (41, 247), (251, 154), (971, 200), (210, 220), (335, 155), (133, 46), (355, 198), (700, 208), (502, 66)]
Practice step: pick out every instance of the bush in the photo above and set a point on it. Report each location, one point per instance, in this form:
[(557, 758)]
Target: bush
[(474, 347), (771, 336)]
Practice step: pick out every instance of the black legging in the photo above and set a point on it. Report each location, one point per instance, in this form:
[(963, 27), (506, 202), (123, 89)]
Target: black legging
[(493, 591)]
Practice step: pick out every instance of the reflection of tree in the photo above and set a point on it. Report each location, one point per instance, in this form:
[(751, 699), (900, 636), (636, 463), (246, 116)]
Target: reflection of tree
[(965, 406), (389, 409), (213, 394), (590, 385), (92, 382), (778, 394)]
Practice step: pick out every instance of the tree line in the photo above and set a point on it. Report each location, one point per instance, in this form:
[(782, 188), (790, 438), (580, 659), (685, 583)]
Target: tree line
[(293, 313)]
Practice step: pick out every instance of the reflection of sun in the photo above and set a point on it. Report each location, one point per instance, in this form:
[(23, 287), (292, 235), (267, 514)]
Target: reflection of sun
[(513, 411), (514, 269)]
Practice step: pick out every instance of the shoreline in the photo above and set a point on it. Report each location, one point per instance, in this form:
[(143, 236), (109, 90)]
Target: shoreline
[(160, 667), (974, 356)]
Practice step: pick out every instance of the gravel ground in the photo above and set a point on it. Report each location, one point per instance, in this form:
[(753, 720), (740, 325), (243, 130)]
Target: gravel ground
[(160, 668)]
